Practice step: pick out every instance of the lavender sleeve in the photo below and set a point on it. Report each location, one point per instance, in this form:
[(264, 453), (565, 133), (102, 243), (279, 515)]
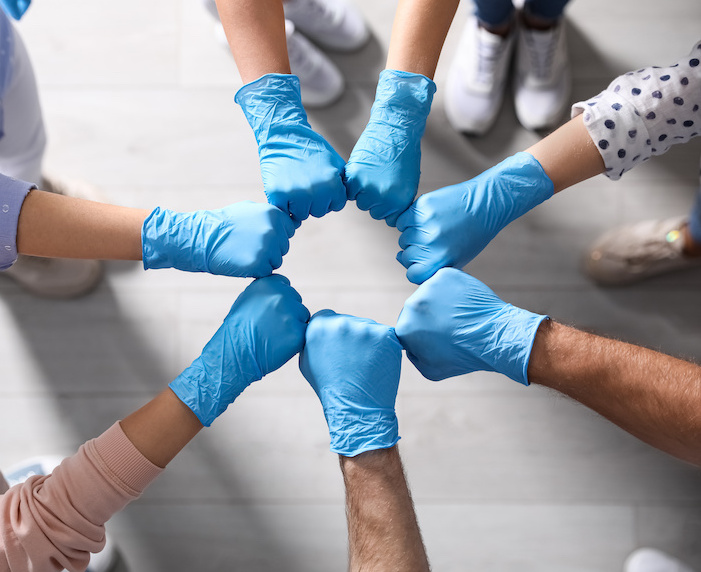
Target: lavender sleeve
[(12, 195)]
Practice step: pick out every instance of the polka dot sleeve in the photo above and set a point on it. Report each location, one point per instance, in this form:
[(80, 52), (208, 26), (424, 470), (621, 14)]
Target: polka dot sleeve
[(643, 113)]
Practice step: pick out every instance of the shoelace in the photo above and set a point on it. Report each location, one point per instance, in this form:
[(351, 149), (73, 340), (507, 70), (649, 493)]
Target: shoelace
[(488, 55), (541, 51)]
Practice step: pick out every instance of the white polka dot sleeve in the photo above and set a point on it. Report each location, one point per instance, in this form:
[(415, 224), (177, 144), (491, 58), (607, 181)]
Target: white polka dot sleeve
[(643, 113)]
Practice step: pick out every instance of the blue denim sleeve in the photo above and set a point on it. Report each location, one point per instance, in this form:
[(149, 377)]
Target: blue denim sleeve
[(12, 195)]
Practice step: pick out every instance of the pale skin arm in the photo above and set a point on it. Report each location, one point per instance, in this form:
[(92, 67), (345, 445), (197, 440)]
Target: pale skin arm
[(418, 34), (255, 30), (161, 428), (653, 396), (383, 534), (56, 226)]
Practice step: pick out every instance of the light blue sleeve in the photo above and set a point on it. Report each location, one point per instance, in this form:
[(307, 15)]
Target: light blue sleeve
[(12, 195)]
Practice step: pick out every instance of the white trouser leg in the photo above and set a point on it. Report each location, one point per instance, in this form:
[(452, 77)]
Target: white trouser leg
[(22, 146)]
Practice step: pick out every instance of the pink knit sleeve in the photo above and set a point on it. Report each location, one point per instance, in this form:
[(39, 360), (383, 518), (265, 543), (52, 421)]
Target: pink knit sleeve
[(53, 522)]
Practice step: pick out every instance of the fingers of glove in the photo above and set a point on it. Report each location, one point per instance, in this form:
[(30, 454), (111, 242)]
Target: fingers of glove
[(275, 260), (408, 218), (299, 205), (418, 272), (338, 202), (368, 198), (391, 219), (412, 236), (282, 221)]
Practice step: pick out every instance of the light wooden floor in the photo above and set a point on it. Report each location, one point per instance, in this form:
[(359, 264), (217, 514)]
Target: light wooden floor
[(138, 98)]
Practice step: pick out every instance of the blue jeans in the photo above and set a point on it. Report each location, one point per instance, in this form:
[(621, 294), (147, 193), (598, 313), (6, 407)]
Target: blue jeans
[(695, 219), (497, 12)]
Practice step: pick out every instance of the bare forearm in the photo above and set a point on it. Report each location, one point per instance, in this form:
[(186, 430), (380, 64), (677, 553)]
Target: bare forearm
[(383, 534), (161, 428), (55, 226), (255, 30), (418, 34), (568, 155), (653, 396)]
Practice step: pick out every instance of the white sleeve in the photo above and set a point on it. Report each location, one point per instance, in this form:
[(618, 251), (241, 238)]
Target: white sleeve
[(643, 113)]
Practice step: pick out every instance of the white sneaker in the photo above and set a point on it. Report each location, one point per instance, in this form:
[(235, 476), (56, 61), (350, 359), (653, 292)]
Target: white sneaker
[(105, 560), (58, 277), (320, 80), (634, 252), (333, 24), (477, 78), (651, 560), (542, 85)]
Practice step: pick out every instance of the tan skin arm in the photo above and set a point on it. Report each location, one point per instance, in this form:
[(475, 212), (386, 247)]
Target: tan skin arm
[(383, 534), (653, 396), (255, 30), (418, 34), (568, 155), (161, 428), (55, 226)]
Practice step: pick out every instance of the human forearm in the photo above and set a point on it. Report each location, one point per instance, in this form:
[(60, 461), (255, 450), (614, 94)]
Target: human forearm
[(418, 33), (161, 428), (382, 528), (56, 226), (568, 155), (655, 397), (255, 30)]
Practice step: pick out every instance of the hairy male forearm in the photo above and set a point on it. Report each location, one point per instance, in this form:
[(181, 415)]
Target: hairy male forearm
[(653, 396), (383, 534)]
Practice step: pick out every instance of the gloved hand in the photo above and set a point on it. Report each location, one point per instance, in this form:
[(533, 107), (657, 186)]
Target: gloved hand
[(382, 174), (301, 171), (244, 239), (353, 365), (15, 8), (264, 329), (450, 226), (453, 324)]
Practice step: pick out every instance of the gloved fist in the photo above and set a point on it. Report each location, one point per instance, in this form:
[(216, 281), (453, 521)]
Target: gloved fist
[(453, 324), (301, 171), (353, 365), (264, 329), (450, 226), (245, 239), (382, 174), (15, 8)]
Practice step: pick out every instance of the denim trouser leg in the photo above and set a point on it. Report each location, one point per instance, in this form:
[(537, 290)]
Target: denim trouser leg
[(695, 218)]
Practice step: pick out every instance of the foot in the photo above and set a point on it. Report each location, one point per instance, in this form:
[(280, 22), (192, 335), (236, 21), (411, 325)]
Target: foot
[(477, 78), (638, 251), (105, 560), (651, 560), (57, 277), (320, 80), (332, 24), (543, 83)]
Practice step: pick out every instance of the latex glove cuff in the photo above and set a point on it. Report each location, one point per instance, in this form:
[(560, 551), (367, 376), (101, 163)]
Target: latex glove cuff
[(271, 100), (353, 433)]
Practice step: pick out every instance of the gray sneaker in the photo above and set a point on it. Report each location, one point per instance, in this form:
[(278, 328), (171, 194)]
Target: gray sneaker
[(638, 251), (651, 560)]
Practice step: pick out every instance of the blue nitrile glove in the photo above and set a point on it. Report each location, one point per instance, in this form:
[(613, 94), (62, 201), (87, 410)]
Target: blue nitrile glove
[(264, 329), (353, 365), (453, 324), (382, 174), (244, 239), (301, 171), (450, 226), (15, 8)]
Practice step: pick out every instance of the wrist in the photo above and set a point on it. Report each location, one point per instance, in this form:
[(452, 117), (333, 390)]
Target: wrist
[(272, 98), (410, 94), (352, 433), (161, 247), (514, 336)]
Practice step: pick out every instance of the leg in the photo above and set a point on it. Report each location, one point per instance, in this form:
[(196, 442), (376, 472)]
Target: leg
[(24, 140), (544, 11), (494, 15)]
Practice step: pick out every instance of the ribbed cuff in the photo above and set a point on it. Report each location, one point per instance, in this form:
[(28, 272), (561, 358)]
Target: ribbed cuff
[(123, 461)]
